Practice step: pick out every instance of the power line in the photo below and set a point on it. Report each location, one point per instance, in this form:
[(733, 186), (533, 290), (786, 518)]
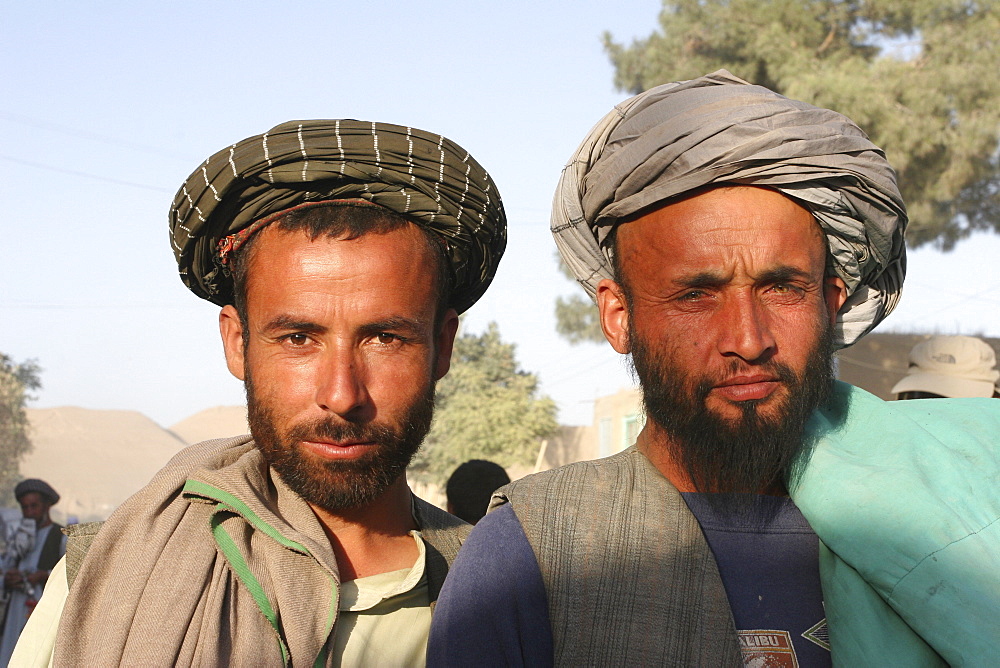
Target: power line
[(86, 134), (978, 296), (86, 175)]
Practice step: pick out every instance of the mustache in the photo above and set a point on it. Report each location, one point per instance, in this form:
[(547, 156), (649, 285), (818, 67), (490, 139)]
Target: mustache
[(334, 430), (737, 367)]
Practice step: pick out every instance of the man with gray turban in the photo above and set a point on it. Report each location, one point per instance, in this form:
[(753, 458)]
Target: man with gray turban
[(766, 515), (341, 253)]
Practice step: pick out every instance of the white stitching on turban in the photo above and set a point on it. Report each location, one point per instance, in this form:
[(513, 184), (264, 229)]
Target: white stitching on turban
[(681, 136)]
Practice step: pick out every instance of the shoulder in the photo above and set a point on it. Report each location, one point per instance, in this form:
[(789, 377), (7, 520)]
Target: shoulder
[(927, 469), (857, 430), (545, 501), (442, 531), (429, 516), (479, 564), (161, 503), (215, 454), (853, 412), (493, 603), (568, 479)]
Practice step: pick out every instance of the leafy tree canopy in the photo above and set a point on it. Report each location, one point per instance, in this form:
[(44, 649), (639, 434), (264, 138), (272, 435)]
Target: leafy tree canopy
[(486, 408), (919, 76), (16, 381), (577, 318)]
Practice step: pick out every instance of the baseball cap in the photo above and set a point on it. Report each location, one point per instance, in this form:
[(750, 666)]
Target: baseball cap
[(952, 366)]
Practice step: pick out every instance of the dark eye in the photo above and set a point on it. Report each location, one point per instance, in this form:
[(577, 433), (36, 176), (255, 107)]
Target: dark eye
[(297, 339), (385, 338)]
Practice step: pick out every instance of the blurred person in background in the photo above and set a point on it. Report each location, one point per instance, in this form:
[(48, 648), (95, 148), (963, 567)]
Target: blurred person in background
[(470, 487), (950, 367), (34, 548)]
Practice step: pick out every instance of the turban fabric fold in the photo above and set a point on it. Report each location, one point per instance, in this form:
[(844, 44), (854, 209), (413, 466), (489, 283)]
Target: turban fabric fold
[(718, 129), (422, 176)]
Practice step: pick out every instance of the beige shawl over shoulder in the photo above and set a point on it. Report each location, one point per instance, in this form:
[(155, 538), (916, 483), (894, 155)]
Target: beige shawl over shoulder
[(215, 562)]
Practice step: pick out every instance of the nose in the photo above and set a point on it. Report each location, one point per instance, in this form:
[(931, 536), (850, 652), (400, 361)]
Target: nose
[(745, 330), (341, 387)]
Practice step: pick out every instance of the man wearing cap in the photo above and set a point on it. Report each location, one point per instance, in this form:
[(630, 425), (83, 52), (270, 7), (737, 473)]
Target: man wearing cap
[(733, 239), (25, 581), (341, 253), (950, 366)]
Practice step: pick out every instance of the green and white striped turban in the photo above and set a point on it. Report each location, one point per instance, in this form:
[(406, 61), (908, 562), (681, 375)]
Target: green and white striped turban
[(718, 129), (422, 176)]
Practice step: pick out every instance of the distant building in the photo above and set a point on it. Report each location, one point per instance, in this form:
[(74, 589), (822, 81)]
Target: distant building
[(618, 419)]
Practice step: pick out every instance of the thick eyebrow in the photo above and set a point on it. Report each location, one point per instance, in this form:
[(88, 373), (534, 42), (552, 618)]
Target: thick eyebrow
[(784, 274), (713, 279), (290, 323), (396, 324), (703, 279)]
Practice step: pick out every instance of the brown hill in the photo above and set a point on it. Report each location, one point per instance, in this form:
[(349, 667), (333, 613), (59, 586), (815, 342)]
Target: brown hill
[(95, 459), (218, 422)]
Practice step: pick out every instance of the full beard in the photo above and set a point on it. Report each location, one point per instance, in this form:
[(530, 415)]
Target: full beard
[(750, 454), (340, 485)]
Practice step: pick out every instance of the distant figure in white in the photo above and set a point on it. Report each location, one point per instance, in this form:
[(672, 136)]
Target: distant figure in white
[(950, 367), (33, 545)]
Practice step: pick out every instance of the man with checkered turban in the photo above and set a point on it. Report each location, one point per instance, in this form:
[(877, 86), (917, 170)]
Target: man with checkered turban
[(341, 253)]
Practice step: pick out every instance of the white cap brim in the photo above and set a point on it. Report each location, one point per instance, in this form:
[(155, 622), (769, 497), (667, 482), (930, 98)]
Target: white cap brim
[(946, 386)]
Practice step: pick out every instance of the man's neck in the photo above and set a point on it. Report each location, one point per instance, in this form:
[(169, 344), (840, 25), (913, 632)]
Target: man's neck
[(657, 447), (374, 538)]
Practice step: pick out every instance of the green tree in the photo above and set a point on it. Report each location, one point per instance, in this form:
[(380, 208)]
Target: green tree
[(919, 76), (16, 381), (577, 319), (486, 408)]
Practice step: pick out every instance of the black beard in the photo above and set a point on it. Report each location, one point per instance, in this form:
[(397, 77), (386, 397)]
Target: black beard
[(340, 485), (748, 455)]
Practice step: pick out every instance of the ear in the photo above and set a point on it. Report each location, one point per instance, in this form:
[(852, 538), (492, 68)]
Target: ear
[(835, 294), (232, 340), (614, 315), (444, 343)]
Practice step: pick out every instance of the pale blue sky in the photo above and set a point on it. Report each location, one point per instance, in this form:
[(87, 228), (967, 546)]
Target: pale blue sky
[(105, 108)]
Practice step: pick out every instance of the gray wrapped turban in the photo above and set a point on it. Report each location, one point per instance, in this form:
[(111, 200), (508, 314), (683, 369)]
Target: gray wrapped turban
[(677, 137), (422, 176)]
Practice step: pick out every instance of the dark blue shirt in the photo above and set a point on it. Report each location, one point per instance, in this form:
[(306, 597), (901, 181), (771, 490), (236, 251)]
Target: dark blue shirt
[(769, 563), (493, 610)]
